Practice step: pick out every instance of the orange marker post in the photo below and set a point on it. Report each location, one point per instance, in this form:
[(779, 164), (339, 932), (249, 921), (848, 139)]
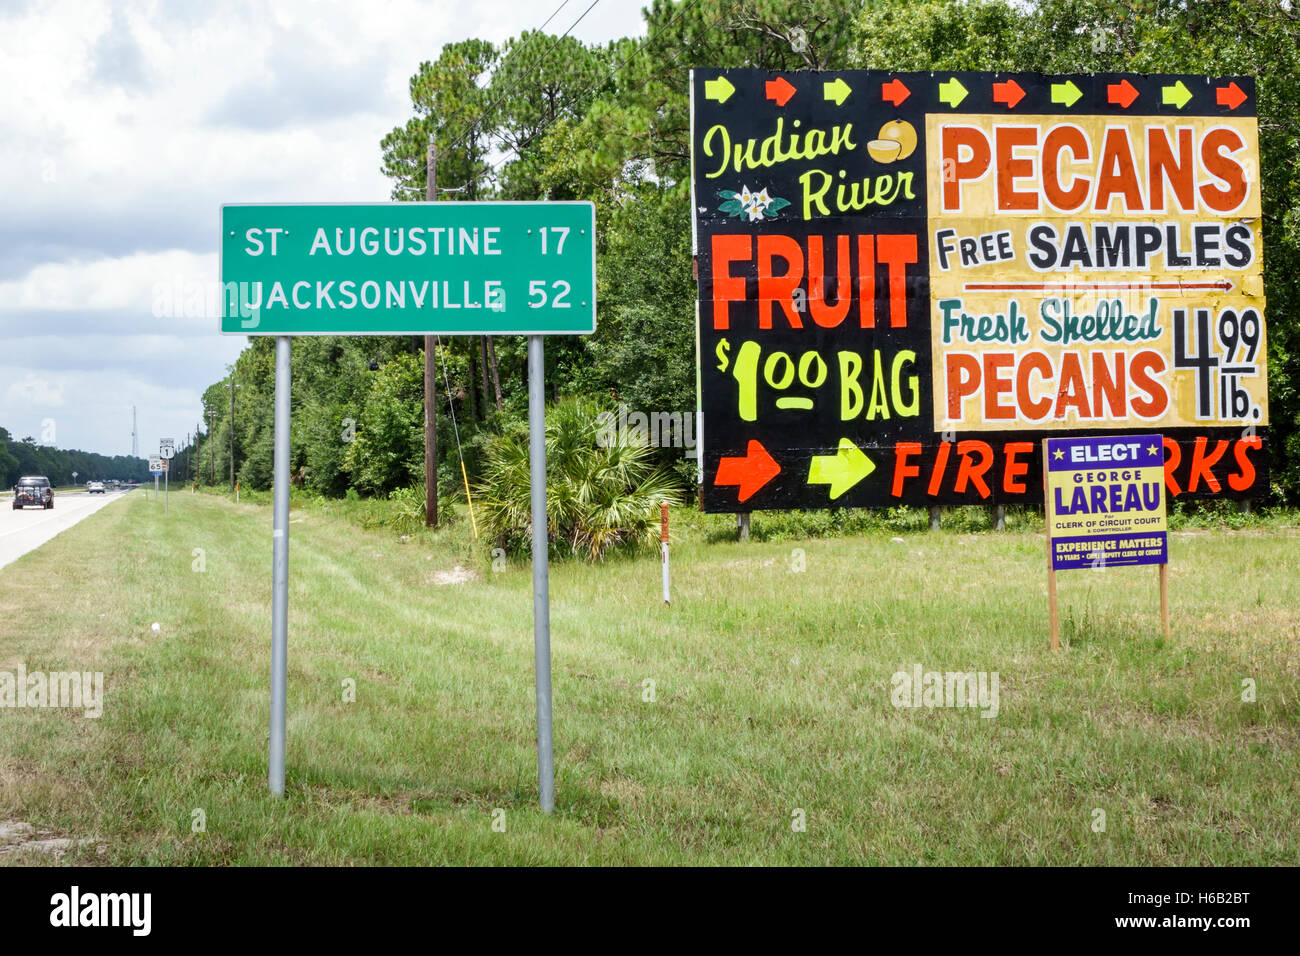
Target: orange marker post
[(663, 545)]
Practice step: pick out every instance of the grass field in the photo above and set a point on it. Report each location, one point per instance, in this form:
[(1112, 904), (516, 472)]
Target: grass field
[(771, 699)]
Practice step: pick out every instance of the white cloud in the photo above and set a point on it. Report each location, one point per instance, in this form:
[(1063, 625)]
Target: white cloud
[(133, 282), (123, 128), (35, 391)]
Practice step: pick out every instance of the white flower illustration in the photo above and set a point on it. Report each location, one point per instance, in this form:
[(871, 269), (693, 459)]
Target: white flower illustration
[(757, 206)]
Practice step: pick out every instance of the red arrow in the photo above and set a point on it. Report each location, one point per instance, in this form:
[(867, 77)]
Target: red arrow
[(1230, 96), (751, 473), (894, 92), (779, 90), (1122, 93), (1008, 92)]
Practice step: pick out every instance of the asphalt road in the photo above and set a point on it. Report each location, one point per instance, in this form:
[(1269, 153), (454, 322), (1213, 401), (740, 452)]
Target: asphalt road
[(28, 529)]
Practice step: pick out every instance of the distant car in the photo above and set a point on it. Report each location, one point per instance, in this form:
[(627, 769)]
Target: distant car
[(95, 488), (33, 490)]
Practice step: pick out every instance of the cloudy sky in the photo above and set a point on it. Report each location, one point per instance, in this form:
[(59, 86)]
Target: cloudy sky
[(123, 128)]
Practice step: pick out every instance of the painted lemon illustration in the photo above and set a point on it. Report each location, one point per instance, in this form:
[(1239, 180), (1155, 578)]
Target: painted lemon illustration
[(896, 140)]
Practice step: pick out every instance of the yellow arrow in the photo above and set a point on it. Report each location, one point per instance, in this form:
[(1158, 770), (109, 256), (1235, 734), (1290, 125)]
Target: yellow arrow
[(842, 470), (837, 91), (952, 92), (719, 89), (1066, 93), (1176, 95)]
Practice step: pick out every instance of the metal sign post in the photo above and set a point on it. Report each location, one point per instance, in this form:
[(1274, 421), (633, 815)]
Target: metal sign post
[(541, 570), (166, 451), (280, 566)]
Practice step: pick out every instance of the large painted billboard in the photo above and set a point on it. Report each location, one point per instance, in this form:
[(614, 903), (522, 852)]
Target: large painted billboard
[(908, 280)]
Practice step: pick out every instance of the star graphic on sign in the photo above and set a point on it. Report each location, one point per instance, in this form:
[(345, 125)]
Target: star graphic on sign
[(1058, 454), (1151, 450)]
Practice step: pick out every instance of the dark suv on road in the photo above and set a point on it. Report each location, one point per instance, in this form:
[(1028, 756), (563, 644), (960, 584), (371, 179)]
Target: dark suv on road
[(33, 490)]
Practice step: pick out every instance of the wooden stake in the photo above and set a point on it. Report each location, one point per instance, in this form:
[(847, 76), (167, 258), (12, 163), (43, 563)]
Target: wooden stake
[(1051, 604), (1164, 599), (1051, 571)]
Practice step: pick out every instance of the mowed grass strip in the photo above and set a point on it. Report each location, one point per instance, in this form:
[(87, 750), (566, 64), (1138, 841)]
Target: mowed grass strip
[(691, 733)]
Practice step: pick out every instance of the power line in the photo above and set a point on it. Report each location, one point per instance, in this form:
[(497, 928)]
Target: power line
[(689, 5), (517, 50), (648, 40), (540, 63), (553, 16)]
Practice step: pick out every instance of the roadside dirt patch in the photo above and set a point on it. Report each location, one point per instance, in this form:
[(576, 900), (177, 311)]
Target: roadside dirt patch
[(457, 575), (19, 837)]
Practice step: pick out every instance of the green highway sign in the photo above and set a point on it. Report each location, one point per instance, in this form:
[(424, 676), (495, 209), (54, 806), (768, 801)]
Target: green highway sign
[(464, 268)]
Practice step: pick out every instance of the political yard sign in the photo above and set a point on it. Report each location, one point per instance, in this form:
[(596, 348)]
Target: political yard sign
[(908, 280), (1105, 501)]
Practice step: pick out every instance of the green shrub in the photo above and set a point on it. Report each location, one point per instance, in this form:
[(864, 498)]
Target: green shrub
[(406, 516), (597, 498)]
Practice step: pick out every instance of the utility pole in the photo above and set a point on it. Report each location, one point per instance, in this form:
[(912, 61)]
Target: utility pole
[(430, 379), (212, 452), (232, 429)]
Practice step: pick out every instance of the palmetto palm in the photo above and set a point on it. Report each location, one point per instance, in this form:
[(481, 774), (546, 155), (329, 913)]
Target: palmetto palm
[(598, 494)]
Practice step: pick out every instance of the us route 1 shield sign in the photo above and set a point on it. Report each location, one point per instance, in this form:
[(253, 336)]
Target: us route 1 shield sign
[(167, 448), (492, 268)]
